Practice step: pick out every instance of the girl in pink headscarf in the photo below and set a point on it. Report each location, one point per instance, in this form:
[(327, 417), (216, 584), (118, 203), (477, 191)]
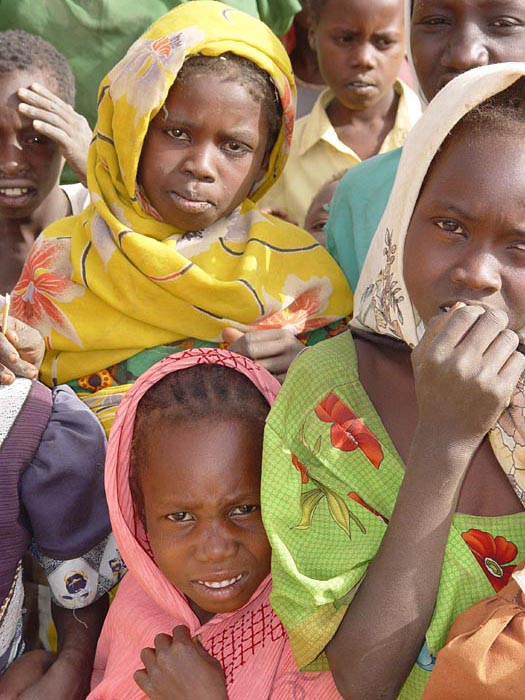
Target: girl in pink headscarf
[(183, 481)]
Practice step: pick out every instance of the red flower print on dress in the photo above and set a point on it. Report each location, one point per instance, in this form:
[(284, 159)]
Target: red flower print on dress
[(357, 498), (348, 432), (493, 554), (301, 468), (45, 280)]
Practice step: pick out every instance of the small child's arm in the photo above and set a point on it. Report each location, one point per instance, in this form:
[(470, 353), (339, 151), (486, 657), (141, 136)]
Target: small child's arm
[(179, 668), (39, 675), (58, 121)]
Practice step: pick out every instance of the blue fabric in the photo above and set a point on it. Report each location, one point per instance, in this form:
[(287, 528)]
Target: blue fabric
[(356, 210)]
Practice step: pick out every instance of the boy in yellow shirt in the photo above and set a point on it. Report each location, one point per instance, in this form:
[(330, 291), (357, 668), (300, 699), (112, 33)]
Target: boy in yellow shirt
[(365, 110)]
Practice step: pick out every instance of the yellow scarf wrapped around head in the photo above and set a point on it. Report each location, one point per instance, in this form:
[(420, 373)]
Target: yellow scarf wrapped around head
[(114, 280)]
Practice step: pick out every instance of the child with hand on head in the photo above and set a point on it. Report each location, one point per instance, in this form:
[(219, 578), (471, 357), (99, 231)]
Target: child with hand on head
[(173, 250), (446, 39), (365, 110), (192, 617), (39, 131), (392, 489)]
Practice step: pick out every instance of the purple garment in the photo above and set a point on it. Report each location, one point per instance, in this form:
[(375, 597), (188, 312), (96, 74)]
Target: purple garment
[(52, 480)]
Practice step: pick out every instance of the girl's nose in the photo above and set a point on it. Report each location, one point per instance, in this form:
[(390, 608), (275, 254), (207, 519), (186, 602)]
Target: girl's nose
[(466, 49), (216, 544), (478, 271), (199, 163)]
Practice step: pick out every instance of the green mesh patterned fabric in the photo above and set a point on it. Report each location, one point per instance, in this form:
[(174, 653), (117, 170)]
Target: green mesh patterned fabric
[(330, 479)]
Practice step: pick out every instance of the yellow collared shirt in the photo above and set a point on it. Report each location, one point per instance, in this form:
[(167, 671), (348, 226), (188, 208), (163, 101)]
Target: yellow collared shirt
[(317, 154)]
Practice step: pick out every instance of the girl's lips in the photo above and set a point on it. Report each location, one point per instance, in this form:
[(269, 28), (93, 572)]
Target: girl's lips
[(189, 205), (222, 589)]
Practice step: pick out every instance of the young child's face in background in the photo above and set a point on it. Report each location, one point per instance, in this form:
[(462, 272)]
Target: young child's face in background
[(201, 491), (203, 151), (30, 164), (359, 46), (466, 239), (449, 37), (317, 215)]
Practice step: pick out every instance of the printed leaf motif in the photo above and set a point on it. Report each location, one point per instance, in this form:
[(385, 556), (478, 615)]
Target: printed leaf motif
[(309, 502), (339, 511), (317, 446)]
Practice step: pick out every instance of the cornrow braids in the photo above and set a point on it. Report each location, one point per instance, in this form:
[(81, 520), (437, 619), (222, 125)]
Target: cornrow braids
[(203, 391), (231, 67), (20, 50)]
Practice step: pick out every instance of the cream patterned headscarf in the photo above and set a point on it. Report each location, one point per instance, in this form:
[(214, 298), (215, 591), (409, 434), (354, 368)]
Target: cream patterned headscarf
[(381, 300)]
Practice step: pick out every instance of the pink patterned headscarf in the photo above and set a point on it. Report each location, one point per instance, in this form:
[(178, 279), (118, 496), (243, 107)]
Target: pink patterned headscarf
[(250, 643)]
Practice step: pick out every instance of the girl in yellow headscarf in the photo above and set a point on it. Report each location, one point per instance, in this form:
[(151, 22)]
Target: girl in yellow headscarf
[(194, 126)]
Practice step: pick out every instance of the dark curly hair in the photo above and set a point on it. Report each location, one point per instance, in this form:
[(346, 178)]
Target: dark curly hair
[(20, 50)]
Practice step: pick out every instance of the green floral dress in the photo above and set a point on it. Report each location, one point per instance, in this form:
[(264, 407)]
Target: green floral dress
[(330, 481)]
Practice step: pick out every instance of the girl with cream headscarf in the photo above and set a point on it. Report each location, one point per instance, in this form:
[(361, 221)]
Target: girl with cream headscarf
[(393, 487)]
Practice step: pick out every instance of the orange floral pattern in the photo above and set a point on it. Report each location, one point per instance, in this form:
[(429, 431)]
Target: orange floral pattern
[(46, 279), (348, 432), (493, 554)]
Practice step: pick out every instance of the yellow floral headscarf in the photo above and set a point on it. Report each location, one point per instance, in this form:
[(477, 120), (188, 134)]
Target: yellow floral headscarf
[(114, 280)]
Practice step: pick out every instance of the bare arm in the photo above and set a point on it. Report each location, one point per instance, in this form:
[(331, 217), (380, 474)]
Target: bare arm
[(465, 370), (69, 677)]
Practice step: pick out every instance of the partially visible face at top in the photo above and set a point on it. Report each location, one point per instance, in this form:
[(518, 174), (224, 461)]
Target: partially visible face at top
[(317, 215), (449, 37), (203, 152), (466, 239), (360, 46), (201, 494), (30, 164)]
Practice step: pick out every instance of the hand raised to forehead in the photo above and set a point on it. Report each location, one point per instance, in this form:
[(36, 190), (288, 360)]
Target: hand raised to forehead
[(58, 121)]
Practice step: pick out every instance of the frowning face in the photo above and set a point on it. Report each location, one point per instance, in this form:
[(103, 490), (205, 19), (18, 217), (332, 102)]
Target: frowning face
[(201, 493)]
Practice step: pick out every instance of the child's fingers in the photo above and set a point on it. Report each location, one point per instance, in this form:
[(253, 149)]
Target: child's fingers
[(231, 335), (451, 327), (147, 656), (142, 680), (162, 641)]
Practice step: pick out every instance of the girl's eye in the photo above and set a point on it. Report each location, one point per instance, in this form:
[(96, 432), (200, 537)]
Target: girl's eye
[(244, 510), (181, 517), (178, 134), (433, 22), (506, 22), (236, 148), (384, 42), (450, 226), (343, 39)]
